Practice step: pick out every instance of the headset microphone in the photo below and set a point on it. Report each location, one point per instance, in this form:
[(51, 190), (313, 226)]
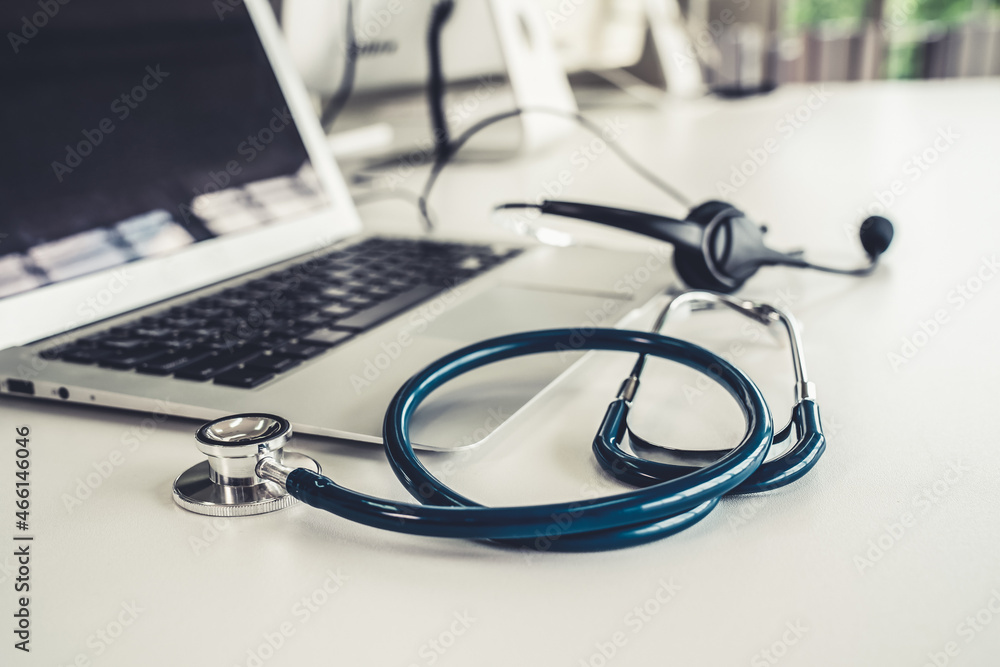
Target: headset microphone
[(716, 247)]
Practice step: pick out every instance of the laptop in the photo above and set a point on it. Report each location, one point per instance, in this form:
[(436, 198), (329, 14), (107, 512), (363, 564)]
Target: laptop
[(176, 239)]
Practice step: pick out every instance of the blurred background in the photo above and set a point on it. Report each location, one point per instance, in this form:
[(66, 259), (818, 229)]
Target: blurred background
[(746, 45), (372, 64), (848, 40)]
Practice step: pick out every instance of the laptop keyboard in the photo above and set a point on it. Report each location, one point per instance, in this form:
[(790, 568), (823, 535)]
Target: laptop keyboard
[(246, 335)]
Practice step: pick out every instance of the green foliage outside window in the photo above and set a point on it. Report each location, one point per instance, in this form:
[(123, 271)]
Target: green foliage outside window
[(898, 16), (812, 12)]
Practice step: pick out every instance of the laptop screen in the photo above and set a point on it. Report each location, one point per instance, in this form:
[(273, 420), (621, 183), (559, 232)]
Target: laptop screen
[(136, 128)]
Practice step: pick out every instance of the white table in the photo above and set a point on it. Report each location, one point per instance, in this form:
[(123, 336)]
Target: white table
[(887, 554)]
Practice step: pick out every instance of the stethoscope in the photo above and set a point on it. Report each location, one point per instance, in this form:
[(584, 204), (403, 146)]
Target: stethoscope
[(248, 471)]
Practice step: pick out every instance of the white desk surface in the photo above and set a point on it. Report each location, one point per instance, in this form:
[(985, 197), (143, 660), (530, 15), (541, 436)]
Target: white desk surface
[(888, 553)]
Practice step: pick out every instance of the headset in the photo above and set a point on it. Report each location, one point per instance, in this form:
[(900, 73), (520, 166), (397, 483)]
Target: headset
[(716, 247)]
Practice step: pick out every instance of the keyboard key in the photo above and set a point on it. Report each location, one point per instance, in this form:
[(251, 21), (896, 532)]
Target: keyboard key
[(216, 364), (338, 310), (386, 309), (153, 333), (275, 363), (244, 378), (336, 293), (123, 343), (81, 355), (315, 319), (272, 339), (359, 302), (128, 359), (302, 350), (172, 361), (186, 322), (327, 336)]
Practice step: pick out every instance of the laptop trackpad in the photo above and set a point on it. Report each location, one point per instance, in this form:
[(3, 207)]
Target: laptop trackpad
[(469, 408)]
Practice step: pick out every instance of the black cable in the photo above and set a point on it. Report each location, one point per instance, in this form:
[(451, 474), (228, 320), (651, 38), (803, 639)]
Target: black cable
[(442, 159), (862, 271), (338, 101), (387, 195), (435, 78)]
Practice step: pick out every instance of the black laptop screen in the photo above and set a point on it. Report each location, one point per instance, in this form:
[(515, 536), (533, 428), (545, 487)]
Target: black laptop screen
[(135, 128)]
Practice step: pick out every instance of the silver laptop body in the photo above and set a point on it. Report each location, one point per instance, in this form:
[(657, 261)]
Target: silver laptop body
[(301, 214)]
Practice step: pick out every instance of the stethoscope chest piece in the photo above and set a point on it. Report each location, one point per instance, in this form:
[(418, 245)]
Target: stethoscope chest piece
[(229, 483)]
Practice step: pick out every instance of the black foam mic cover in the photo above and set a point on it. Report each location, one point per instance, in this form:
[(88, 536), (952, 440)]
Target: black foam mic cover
[(876, 235)]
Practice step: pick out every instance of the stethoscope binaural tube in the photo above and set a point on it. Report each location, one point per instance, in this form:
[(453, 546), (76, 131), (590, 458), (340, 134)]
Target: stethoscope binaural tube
[(657, 510), (784, 469)]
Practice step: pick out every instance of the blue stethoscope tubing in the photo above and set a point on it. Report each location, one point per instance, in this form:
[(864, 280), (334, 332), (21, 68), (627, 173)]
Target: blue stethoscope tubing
[(670, 498)]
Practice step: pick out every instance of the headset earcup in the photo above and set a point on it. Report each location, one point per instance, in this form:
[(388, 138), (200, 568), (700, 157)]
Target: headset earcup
[(705, 213), (691, 265)]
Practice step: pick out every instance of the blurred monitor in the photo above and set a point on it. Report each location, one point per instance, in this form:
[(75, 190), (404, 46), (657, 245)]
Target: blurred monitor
[(497, 55), (598, 34), (392, 42)]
